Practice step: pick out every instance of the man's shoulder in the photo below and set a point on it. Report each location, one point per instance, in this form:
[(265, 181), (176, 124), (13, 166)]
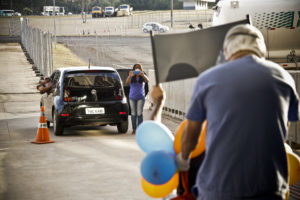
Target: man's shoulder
[(278, 72)]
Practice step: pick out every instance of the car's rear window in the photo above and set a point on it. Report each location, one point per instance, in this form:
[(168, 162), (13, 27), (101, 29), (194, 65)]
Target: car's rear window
[(92, 79), (92, 85)]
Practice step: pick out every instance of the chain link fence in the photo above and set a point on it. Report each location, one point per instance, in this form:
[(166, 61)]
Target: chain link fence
[(129, 25), (38, 45)]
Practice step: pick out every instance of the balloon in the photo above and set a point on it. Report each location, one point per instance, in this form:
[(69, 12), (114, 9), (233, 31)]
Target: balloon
[(154, 136), (200, 148), (158, 167), (293, 165), (160, 191)]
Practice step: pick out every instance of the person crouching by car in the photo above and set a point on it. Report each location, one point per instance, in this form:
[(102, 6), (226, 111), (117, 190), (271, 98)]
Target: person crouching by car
[(45, 86), (136, 79)]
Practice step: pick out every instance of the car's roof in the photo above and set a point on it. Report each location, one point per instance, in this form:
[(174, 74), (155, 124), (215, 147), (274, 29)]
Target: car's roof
[(80, 68)]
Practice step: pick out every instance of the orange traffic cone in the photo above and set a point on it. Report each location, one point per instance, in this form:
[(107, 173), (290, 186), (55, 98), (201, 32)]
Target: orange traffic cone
[(42, 135)]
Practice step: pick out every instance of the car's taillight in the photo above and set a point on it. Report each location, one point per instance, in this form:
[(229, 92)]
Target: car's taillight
[(65, 114), (67, 99), (118, 93), (122, 113)]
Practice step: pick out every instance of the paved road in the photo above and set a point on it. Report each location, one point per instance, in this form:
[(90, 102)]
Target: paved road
[(107, 51), (86, 163)]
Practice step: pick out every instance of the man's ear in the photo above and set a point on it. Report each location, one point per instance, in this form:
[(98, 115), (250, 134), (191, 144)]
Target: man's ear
[(225, 54)]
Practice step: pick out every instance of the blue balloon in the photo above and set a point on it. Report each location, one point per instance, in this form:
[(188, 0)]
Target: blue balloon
[(154, 136), (158, 167)]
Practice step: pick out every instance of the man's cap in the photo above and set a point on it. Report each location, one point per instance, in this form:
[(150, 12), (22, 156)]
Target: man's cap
[(244, 37)]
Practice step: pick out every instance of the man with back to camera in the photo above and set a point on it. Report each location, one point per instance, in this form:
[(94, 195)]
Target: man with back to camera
[(247, 102)]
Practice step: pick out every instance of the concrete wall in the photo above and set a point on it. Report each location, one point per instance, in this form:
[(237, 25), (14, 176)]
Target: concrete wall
[(198, 5)]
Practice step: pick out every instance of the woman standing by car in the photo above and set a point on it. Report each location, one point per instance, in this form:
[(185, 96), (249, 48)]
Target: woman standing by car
[(136, 79)]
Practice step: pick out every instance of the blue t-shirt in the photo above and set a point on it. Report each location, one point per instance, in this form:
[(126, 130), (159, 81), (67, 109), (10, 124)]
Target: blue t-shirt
[(137, 90), (247, 104)]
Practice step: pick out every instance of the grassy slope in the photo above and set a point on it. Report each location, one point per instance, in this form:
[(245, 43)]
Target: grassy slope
[(63, 57)]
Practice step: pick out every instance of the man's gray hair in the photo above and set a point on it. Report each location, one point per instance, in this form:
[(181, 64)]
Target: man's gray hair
[(244, 37)]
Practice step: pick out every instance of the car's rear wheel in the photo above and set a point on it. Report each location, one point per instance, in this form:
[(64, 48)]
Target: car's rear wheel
[(123, 126), (58, 127), (48, 124), (161, 30)]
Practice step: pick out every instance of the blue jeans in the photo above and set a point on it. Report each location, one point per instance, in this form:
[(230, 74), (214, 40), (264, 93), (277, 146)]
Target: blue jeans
[(136, 107)]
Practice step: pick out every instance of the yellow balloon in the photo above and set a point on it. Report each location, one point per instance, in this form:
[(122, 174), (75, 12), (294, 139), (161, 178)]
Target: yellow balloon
[(200, 148), (159, 191), (293, 165)]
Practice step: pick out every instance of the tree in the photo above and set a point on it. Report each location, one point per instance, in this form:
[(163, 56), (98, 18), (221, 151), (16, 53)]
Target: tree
[(27, 11)]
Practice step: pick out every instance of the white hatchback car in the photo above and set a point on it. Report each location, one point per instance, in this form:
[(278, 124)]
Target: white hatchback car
[(154, 26)]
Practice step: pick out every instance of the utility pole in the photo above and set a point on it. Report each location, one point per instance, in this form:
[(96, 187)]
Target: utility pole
[(54, 12), (172, 20), (83, 9)]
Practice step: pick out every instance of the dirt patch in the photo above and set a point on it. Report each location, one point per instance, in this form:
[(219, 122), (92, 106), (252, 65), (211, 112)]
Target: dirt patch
[(12, 44), (63, 57), (10, 49)]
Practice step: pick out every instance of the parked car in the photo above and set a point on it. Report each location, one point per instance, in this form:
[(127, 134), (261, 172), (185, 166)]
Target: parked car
[(109, 11), (86, 96), (7, 13), (70, 13), (97, 12), (154, 26), (17, 14), (124, 10)]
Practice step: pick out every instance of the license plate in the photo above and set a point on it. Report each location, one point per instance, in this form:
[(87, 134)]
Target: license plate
[(94, 111)]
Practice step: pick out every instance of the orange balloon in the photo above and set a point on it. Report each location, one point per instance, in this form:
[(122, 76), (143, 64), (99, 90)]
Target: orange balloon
[(178, 134), (293, 165), (160, 191), (200, 148)]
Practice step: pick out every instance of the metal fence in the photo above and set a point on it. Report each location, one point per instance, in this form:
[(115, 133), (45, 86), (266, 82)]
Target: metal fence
[(38, 45), (181, 18), (294, 129), (178, 95), (129, 25)]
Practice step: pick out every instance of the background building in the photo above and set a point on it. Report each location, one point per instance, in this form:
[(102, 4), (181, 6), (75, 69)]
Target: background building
[(196, 4)]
